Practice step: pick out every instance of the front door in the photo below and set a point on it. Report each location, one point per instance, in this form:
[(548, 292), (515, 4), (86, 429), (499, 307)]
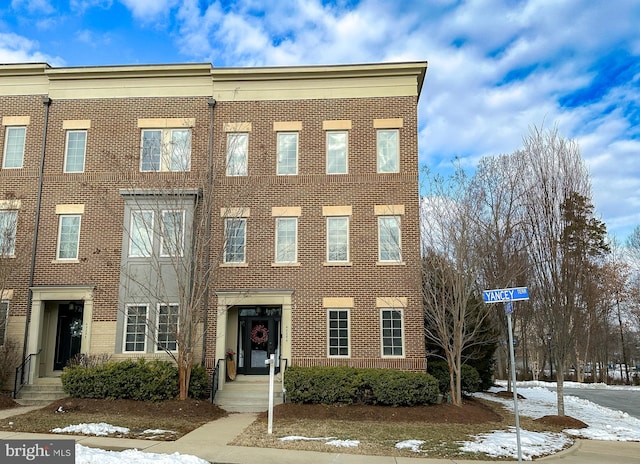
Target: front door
[(258, 338), (69, 333)]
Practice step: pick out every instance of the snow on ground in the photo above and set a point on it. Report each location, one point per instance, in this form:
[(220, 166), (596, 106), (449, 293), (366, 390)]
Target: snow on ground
[(102, 429), (86, 455), (413, 445), (504, 444)]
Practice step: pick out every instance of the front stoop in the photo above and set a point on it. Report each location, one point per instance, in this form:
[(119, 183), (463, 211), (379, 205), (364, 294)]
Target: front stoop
[(42, 392), (248, 393)]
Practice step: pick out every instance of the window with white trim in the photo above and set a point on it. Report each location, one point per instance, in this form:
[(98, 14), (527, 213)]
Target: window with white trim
[(237, 153), (141, 234), (136, 328), (172, 230), (4, 314), (75, 151), (388, 148), (389, 244), (392, 332), (14, 139), (286, 240), (337, 239), (235, 240), (167, 327), (338, 332), (287, 151), (337, 152), (8, 228), (165, 150), (68, 236)]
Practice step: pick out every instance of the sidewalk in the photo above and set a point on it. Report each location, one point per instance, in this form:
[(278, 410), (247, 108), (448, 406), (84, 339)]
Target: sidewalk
[(209, 442)]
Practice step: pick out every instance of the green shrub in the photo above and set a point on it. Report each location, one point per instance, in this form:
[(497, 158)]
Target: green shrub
[(330, 385), (199, 382), (440, 370), (470, 381)]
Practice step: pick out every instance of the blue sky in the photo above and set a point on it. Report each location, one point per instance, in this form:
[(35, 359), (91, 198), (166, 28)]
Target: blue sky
[(495, 67)]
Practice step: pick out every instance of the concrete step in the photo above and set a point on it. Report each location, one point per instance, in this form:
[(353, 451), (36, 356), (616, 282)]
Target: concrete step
[(248, 394), (42, 392)]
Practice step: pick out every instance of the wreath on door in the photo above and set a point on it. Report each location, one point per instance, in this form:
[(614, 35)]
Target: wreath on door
[(259, 334)]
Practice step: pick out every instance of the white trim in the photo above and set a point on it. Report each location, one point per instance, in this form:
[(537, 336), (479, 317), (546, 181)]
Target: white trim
[(126, 325), (398, 245), (157, 328), (397, 151), (339, 356), (346, 152), (295, 251), (278, 134), (403, 334), (164, 254), (66, 151), (61, 217), (6, 142), (149, 228), (332, 218)]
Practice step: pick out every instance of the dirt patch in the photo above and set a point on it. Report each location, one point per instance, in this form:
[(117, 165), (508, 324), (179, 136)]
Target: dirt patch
[(508, 395), (566, 422), (6, 402), (471, 412)]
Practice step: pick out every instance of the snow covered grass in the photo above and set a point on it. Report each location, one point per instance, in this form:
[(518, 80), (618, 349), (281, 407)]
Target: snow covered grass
[(103, 429), (86, 455)]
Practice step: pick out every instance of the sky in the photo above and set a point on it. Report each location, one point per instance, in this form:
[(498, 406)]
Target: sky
[(539, 400), (497, 68)]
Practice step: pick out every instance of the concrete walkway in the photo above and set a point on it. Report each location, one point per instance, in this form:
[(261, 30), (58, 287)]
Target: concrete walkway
[(209, 442)]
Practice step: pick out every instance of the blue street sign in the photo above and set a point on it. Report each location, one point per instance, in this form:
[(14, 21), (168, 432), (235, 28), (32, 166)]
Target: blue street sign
[(508, 307), (505, 294)]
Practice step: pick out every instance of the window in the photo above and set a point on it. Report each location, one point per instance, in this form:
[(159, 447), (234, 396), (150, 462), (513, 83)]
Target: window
[(141, 234), (167, 327), (8, 226), (235, 240), (237, 154), (166, 150), (389, 245), (338, 332), (388, 151), (337, 152), (75, 152), (286, 240), (136, 328), (14, 147), (4, 314), (172, 233), (392, 332), (68, 237), (337, 239), (287, 153)]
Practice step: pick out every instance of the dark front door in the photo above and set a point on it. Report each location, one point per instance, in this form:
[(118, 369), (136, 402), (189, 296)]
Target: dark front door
[(69, 333), (258, 338)]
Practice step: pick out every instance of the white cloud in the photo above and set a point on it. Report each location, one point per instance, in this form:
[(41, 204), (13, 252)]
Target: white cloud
[(17, 49), (149, 10), (34, 6)]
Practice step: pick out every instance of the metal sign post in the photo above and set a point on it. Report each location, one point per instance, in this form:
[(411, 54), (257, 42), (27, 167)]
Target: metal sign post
[(508, 296)]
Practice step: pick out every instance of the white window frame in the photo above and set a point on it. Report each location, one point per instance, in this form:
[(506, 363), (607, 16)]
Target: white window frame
[(338, 337), (228, 222), (386, 246), (166, 334), (393, 345), (168, 160), (280, 253), (7, 137), (164, 250), (237, 153), (4, 318), (137, 323), (384, 147), (61, 220), (8, 231), (284, 165), (68, 148), (147, 239), (331, 231), (342, 153)]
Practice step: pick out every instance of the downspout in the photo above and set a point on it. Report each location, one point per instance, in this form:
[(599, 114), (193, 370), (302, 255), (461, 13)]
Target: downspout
[(208, 210), (46, 101)]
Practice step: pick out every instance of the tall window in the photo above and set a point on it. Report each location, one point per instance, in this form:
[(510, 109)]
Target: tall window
[(338, 239), (8, 227), (167, 327), (14, 147), (338, 332), (389, 245), (388, 151), (286, 240), (4, 314), (136, 328), (237, 154), (392, 344), (287, 153), (337, 142), (68, 237), (172, 233), (141, 234), (235, 240), (74, 155), (166, 150)]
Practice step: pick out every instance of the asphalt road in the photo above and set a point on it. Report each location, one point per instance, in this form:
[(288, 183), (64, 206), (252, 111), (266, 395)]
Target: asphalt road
[(619, 400)]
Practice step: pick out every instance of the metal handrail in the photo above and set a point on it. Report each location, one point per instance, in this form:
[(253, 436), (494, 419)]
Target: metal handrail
[(215, 378), (20, 381)]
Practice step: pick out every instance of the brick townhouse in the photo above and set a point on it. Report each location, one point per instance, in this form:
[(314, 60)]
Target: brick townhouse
[(305, 177)]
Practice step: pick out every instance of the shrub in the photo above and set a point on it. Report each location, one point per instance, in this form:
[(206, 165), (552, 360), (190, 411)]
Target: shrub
[(199, 382), (330, 385), (9, 359), (470, 381), (440, 370)]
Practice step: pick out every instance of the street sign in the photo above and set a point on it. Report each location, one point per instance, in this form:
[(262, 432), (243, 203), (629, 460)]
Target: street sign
[(508, 307), (505, 294)]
